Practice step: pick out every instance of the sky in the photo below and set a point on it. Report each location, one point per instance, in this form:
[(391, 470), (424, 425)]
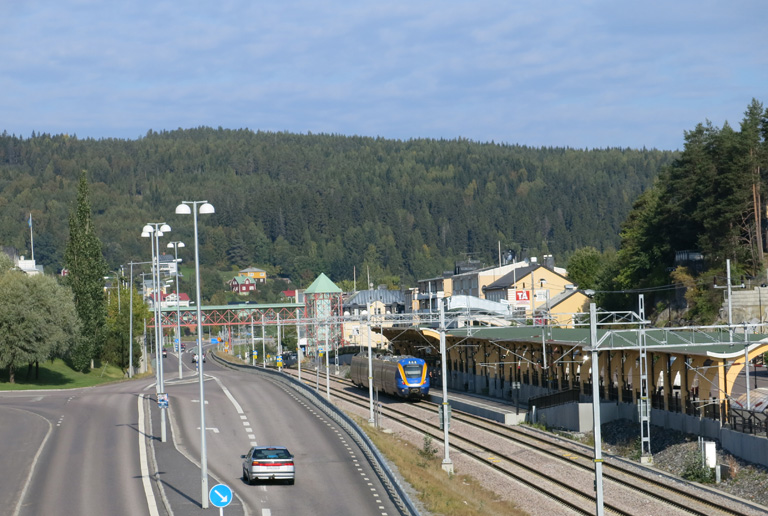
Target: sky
[(561, 73)]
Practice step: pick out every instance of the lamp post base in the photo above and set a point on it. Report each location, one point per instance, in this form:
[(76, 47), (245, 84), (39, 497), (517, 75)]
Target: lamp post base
[(448, 467)]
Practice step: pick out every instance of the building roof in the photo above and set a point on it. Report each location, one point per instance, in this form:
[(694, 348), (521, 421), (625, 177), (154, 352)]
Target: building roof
[(163, 297), (565, 294), (706, 342), (365, 297), (516, 275), (251, 269), (322, 285)]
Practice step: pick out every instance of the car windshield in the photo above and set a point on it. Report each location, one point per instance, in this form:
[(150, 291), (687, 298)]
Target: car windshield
[(271, 454)]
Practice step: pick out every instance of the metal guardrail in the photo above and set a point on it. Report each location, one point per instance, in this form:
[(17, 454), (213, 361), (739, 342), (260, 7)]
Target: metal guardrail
[(376, 459)]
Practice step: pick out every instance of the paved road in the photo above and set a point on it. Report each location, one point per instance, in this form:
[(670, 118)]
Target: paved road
[(245, 409), (71, 452), (81, 451)]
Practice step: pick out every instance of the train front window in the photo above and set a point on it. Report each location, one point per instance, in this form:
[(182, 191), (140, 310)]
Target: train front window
[(412, 371)]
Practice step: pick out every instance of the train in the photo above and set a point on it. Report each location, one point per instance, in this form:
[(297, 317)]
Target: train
[(402, 376)]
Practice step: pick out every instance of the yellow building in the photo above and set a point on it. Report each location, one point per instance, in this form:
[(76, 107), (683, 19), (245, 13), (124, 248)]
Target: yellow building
[(258, 275), (534, 290)]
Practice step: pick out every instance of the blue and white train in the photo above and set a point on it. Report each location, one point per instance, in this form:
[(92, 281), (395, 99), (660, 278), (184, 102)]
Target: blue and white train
[(402, 376)]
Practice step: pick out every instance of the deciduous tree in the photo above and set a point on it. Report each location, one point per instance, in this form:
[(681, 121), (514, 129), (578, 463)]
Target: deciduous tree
[(87, 268)]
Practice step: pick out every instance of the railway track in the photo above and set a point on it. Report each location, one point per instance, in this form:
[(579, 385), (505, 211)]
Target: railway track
[(572, 460)]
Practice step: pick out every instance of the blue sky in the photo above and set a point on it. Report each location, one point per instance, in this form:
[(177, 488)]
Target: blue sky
[(584, 74)]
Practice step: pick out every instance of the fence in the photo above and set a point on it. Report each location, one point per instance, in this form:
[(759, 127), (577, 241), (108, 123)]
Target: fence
[(748, 421), (552, 400)]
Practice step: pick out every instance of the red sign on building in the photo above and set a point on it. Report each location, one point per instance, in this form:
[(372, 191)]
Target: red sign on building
[(523, 295)]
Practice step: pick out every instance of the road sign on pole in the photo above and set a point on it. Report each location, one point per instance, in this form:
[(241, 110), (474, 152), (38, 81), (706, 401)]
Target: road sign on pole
[(220, 495)]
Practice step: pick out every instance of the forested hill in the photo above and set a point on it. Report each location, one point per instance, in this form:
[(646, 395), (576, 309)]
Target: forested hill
[(304, 204)]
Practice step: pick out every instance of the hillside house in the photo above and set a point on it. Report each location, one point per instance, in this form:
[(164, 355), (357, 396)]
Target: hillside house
[(242, 285), (254, 273)]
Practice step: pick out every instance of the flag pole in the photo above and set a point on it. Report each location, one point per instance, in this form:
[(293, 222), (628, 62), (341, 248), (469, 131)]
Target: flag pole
[(31, 237)]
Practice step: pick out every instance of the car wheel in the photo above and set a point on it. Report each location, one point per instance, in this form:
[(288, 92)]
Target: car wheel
[(291, 481), (245, 477)]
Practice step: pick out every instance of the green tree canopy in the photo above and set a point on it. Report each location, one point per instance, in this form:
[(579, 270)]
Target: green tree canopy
[(584, 266), (87, 268), (38, 320)]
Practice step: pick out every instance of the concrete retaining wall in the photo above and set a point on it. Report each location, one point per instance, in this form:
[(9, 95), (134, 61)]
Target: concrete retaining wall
[(577, 417)]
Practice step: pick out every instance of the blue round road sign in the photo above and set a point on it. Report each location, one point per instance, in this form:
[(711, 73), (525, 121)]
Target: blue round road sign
[(220, 495)]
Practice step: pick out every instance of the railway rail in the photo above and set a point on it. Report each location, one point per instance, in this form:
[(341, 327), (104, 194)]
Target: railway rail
[(566, 461)]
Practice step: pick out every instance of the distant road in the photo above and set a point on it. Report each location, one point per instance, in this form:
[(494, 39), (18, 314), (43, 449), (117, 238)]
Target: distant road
[(244, 409)]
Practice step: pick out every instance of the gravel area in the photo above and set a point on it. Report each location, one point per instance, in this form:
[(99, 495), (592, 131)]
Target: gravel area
[(674, 452), (532, 503), (677, 453)]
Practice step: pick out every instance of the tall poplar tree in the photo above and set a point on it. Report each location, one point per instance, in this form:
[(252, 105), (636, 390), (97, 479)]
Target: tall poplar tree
[(87, 268)]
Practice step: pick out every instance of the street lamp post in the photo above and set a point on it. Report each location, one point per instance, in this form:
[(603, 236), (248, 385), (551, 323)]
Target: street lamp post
[(185, 208), (130, 327), (447, 462), (154, 230), (175, 246), (130, 324), (371, 418), (117, 278)]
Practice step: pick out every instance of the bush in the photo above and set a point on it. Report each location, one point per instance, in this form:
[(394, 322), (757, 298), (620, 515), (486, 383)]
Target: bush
[(694, 470), (427, 452)]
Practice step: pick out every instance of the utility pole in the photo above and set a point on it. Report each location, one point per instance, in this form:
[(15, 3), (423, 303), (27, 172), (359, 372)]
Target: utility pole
[(598, 460)]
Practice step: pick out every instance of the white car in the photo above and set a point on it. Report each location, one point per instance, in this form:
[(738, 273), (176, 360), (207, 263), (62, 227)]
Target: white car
[(268, 463)]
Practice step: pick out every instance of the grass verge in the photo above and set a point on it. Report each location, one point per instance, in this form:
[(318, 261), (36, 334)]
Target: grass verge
[(56, 374), (439, 492)]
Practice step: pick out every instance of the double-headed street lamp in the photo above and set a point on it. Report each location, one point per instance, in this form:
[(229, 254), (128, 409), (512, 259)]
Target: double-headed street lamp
[(175, 246), (154, 230), (185, 208)]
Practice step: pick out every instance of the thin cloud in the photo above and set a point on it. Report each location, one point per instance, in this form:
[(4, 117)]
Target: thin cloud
[(563, 73)]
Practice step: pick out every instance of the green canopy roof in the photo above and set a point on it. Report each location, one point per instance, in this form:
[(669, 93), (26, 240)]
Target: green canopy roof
[(322, 285)]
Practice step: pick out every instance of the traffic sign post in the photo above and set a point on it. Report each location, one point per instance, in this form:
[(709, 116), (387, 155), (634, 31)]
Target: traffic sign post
[(220, 496), (162, 400)]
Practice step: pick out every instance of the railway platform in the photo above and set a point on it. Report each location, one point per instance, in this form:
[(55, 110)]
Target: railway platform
[(478, 405)]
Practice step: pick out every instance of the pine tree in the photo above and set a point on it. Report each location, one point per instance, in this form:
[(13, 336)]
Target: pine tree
[(87, 268)]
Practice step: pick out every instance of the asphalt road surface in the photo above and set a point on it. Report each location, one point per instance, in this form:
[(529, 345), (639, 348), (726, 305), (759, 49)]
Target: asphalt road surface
[(98, 451)]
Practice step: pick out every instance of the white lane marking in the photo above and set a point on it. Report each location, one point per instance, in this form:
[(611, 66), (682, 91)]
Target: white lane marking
[(266, 512), (151, 501), (238, 408), (32, 467), (198, 401)]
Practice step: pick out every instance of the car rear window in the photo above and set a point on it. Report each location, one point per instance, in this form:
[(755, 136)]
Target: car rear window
[(271, 454)]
